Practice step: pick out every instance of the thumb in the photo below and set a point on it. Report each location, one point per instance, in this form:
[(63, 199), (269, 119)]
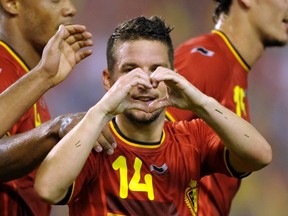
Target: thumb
[(158, 104), (54, 42)]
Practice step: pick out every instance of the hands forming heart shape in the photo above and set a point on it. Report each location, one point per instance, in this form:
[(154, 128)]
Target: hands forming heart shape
[(149, 92)]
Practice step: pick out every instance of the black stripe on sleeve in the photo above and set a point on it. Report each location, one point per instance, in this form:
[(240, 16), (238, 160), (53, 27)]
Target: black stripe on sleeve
[(232, 170), (65, 200)]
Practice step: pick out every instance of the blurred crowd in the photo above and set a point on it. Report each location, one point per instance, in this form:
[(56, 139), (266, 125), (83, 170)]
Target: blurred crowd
[(264, 193)]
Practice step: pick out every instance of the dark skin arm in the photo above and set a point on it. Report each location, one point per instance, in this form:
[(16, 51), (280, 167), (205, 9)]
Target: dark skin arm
[(22, 153)]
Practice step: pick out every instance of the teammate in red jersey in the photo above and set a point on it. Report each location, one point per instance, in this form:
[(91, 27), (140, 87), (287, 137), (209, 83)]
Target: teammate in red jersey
[(67, 44), (219, 63), (157, 165), (26, 26), (21, 153)]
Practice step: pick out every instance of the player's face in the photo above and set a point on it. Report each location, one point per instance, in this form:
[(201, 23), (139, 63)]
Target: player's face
[(271, 21), (146, 55), (39, 19)]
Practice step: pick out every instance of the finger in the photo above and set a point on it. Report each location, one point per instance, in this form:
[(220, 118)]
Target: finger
[(82, 55), (107, 134), (137, 77), (159, 104), (54, 42), (81, 44), (101, 144), (74, 38), (97, 147), (73, 29)]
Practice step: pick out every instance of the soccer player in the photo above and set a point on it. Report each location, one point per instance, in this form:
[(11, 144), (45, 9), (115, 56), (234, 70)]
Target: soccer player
[(157, 165), (20, 153), (218, 64), (26, 26), (67, 44)]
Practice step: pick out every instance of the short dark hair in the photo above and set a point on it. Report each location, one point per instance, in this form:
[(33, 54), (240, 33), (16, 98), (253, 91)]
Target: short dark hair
[(153, 28), (223, 6)]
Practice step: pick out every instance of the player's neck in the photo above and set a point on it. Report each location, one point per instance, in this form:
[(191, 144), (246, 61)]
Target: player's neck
[(243, 38), (25, 50), (143, 132)]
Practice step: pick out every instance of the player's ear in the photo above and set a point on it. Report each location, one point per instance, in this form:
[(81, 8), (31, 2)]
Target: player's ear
[(246, 3), (10, 6), (106, 79)]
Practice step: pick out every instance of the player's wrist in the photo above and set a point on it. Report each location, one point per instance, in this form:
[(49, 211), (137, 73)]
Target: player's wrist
[(44, 81)]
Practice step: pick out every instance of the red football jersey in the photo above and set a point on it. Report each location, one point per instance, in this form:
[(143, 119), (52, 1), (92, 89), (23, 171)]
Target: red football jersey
[(213, 65), (149, 178), (17, 197)]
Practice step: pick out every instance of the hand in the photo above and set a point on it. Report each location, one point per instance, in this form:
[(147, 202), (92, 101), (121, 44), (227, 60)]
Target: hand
[(105, 141), (64, 51), (180, 92), (118, 98)]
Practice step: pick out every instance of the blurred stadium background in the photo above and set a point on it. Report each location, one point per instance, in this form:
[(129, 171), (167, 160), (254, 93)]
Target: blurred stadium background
[(264, 193)]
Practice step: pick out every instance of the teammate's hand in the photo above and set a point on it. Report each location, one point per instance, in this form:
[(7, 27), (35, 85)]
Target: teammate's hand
[(105, 141), (64, 51)]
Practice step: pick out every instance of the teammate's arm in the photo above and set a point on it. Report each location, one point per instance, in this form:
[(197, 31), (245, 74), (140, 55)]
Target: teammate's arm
[(22, 153), (61, 54)]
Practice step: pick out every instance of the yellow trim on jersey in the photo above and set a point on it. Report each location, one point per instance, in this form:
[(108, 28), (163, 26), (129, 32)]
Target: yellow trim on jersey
[(240, 60), (72, 192), (112, 214), (14, 56), (37, 118), (169, 116), (135, 144)]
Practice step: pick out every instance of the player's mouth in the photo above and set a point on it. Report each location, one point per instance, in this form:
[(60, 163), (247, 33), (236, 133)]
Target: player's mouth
[(285, 22), (147, 99)]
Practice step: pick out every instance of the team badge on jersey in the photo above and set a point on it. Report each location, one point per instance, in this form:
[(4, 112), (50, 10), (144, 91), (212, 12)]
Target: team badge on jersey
[(191, 197)]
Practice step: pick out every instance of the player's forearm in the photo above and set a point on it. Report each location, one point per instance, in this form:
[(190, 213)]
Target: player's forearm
[(249, 149), (22, 153), (19, 97), (65, 161)]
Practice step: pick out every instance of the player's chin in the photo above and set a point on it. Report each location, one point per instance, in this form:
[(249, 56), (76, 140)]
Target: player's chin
[(280, 39), (141, 116)]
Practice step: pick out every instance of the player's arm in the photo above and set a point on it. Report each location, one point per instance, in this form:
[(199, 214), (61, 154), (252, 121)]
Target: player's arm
[(209, 73), (61, 54), (249, 151), (71, 153), (22, 153)]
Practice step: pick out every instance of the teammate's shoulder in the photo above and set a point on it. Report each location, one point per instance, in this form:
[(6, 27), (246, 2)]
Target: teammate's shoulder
[(206, 44), (203, 39)]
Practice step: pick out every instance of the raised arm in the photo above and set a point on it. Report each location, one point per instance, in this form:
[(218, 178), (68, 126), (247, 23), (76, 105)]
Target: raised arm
[(72, 151), (61, 54), (249, 151)]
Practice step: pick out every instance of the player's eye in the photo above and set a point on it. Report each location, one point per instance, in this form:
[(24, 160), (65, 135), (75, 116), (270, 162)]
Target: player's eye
[(152, 69), (128, 69)]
